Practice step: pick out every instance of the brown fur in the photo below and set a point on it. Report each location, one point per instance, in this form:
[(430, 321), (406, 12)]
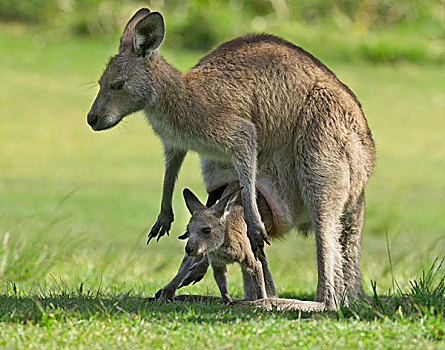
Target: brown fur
[(262, 111), (225, 243)]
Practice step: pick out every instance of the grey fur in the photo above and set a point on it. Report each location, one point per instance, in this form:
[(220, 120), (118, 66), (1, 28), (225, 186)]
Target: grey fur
[(193, 269), (263, 111), (225, 243)]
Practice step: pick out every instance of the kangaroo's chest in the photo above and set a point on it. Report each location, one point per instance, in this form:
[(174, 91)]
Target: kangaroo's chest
[(182, 136)]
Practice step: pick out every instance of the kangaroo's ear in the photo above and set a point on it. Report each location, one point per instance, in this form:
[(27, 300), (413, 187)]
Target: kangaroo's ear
[(148, 34), (127, 35), (185, 235), (224, 206), (192, 202)]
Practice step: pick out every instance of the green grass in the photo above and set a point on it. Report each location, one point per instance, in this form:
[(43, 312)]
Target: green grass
[(75, 207)]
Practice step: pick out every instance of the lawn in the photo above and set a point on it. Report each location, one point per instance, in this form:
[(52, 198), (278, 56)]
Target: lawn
[(76, 206)]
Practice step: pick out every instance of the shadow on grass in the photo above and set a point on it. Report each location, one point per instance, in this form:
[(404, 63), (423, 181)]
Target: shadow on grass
[(426, 298), (56, 308), (41, 309)]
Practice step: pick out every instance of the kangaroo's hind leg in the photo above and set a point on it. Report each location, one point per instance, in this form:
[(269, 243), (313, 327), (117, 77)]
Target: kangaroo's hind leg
[(325, 201), (352, 223), (268, 280), (323, 175)]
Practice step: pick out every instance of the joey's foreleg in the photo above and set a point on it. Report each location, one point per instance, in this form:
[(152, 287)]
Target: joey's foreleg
[(220, 275), (168, 292), (173, 162), (196, 272)]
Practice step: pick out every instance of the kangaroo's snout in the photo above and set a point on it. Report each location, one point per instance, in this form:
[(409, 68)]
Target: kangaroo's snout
[(92, 119), (98, 122)]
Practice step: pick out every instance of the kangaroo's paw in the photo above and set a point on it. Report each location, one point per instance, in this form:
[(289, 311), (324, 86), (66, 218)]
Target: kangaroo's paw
[(257, 236), (162, 226)]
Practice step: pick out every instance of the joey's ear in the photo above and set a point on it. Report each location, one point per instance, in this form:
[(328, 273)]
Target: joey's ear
[(127, 35), (224, 206), (148, 34), (192, 202)]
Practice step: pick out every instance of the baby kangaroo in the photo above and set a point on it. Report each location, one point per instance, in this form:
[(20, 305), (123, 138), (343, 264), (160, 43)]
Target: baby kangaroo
[(220, 232)]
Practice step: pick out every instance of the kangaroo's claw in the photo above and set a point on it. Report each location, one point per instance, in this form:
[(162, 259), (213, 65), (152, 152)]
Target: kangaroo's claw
[(257, 236), (161, 227)]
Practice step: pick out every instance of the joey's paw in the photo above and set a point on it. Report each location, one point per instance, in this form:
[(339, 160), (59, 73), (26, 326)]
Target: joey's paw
[(226, 299), (161, 227), (196, 273), (165, 294)]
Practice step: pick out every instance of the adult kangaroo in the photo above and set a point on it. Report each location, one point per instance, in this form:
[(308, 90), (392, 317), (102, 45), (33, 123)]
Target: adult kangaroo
[(257, 108)]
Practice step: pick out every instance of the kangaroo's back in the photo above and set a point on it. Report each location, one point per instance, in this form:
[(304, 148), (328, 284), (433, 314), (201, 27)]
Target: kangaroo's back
[(257, 51), (266, 80)]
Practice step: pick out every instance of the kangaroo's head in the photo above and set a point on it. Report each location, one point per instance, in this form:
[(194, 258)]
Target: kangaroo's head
[(126, 85), (207, 226)]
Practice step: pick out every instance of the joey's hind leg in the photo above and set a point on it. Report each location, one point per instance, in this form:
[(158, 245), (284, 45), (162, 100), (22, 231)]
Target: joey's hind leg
[(352, 223), (250, 290), (253, 279)]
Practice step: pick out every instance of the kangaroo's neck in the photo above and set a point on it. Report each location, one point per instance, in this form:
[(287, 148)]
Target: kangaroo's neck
[(170, 88)]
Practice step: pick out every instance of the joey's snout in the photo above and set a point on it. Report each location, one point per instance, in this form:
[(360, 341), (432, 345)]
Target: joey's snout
[(189, 249), (192, 249)]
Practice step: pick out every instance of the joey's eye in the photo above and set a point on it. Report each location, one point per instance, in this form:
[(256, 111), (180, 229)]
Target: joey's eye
[(206, 230), (118, 85)]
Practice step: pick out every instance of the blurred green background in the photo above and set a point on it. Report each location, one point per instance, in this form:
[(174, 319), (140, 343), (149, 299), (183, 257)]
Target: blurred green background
[(374, 30), (77, 205)]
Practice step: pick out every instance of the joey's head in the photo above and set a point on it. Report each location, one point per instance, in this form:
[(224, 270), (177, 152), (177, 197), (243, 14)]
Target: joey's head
[(207, 227), (126, 85)]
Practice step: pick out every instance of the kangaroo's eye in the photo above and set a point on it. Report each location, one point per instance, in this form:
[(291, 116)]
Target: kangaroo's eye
[(118, 85), (206, 230)]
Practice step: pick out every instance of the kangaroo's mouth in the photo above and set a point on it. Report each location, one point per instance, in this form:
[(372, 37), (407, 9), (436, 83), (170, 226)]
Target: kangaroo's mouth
[(195, 254), (105, 123)]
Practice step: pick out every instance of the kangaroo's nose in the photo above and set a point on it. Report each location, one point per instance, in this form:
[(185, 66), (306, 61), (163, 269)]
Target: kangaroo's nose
[(92, 119), (189, 249)]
